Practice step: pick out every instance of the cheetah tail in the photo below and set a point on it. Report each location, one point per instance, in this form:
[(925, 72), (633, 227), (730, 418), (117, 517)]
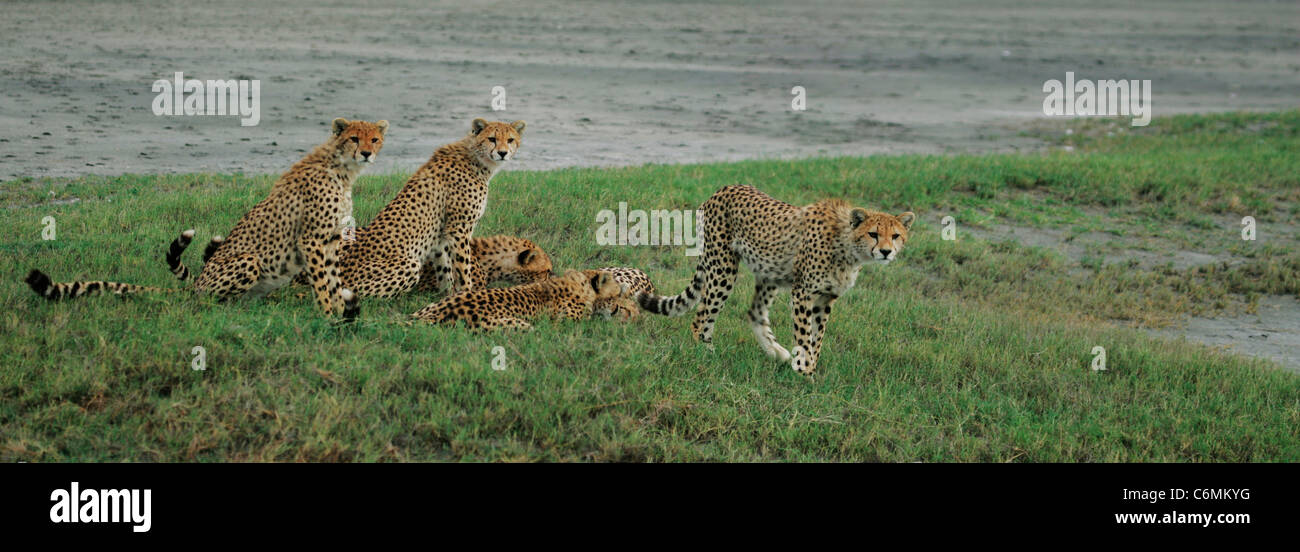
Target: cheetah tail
[(211, 249), (43, 286), (351, 305), (177, 247), (675, 305)]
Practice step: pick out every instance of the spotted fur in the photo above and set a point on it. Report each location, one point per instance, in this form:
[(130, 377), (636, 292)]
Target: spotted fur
[(497, 259), (816, 251), (431, 220), (174, 251), (297, 227), (570, 296), (624, 307)]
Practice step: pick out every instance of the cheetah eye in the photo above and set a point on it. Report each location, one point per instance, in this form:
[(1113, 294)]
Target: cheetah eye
[(493, 139), (873, 235), (374, 140), (355, 140), (895, 237), (510, 140)]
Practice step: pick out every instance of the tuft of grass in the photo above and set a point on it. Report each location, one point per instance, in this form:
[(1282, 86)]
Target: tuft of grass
[(970, 350)]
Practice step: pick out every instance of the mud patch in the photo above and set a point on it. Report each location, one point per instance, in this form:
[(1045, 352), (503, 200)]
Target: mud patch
[(1105, 248), (1273, 333)]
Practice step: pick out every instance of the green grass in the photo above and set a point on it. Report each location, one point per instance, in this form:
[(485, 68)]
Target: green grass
[(970, 350)]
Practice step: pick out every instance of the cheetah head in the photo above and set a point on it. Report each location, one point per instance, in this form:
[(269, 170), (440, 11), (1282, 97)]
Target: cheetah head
[(603, 283), (878, 236), (622, 308), (511, 259), (598, 284), (525, 266), (358, 142), (495, 142)]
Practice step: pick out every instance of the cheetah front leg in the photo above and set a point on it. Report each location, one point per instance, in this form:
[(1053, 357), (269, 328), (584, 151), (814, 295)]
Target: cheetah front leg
[(504, 323), (322, 253), (462, 264), (459, 252), (811, 313), (764, 293)]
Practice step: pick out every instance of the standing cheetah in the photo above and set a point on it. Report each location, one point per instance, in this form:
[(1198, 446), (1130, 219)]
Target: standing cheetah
[(570, 296), (432, 218), (296, 227), (815, 250)]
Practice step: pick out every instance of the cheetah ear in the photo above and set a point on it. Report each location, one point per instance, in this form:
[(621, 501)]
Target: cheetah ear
[(600, 280), (383, 127), (526, 256), (478, 125), (857, 217), (340, 124), (519, 126), (906, 219)]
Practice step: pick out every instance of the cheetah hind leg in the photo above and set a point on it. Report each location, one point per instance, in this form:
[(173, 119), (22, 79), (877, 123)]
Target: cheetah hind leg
[(721, 265), (230, 278)]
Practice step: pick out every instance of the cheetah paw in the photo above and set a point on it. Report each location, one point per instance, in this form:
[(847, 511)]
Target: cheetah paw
[(779, 352), (800, 361)]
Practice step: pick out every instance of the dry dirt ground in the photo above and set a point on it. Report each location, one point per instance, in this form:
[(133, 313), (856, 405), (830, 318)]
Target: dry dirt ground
[(609, 83), (605, 83)]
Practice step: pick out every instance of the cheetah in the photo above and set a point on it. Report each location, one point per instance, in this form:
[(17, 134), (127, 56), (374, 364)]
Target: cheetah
[(296, 227), (431, 220), (815, 250), (624, 307), (497, 259), (570, 296)]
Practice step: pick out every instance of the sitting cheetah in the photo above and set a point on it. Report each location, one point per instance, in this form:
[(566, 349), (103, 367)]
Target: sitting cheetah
[(297, 226), (432, 218), (570, 296), (624, 307), (816, 250)]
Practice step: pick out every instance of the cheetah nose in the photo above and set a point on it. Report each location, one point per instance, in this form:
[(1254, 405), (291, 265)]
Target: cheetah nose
[(886, 252), (502, 154), (365, 154)]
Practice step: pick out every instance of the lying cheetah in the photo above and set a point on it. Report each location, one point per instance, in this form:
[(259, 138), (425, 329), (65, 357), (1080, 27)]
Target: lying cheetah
[(297, 226), (499, 258), (816, 250), (624, 307), (432, 218), (570, 296)]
